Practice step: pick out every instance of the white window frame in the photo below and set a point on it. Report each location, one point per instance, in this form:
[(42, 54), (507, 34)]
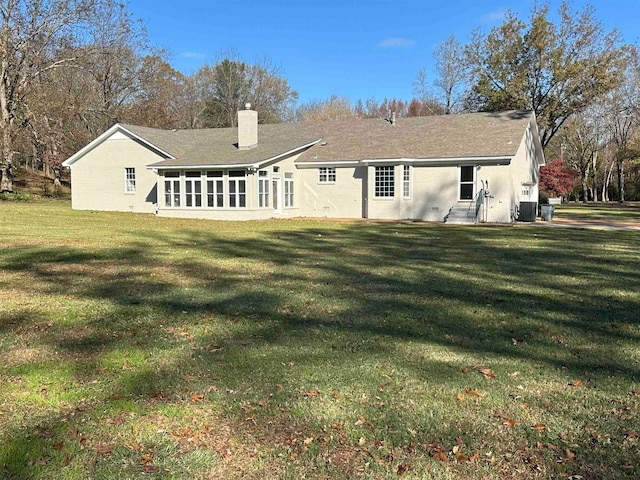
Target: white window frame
[(172, 189), (406, 181), (193, 189), (215, 189), (129, 180), (263, 188), (384, 182), (237, 194), (288, 190), (327, 175)]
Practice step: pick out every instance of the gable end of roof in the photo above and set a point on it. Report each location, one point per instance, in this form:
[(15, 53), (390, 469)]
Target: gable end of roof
[(105, 136)]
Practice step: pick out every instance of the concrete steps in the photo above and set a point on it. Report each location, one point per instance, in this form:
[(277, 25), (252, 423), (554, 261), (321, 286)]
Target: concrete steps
[(462, 213)]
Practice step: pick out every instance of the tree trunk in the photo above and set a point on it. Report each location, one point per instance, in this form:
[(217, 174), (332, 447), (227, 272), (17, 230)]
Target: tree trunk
[(608, 174), (6, 163), (6, 184), (621, 180), (57, 171), (594, 178), (585, 189)]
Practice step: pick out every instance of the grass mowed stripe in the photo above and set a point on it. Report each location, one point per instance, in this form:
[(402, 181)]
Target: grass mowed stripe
[(132, 344)]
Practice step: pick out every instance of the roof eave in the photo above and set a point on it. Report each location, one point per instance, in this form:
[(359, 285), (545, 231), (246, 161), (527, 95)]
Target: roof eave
[(254, 165), (108, 133)]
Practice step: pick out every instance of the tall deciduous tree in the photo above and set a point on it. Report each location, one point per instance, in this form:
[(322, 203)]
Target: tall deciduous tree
[(452, 73), (333, 108), (38, 37), (623, 108), (424, 103), (553, 69), (228, 85), (584, 139), (161, 98)]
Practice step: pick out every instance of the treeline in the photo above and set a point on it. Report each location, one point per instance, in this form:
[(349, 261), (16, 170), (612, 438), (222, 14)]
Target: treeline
[(69, 70)]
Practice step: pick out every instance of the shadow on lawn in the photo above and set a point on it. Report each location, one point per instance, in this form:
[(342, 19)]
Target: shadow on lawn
[(348, 293), (437, 285)]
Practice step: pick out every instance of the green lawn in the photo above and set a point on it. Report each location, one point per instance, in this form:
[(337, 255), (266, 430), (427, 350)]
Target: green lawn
[(629, 211), (133, 345)]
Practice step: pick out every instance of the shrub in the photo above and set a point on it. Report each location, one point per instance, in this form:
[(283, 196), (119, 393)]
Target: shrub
[(15, 197), (557, 180)]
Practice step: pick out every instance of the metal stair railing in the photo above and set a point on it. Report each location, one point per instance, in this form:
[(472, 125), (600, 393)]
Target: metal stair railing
[(479, 202)]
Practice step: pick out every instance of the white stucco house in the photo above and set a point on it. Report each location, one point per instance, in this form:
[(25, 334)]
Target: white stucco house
[(479, 167)]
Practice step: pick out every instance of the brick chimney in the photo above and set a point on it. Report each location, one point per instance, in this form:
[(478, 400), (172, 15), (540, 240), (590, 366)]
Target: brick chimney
[(247, 128)]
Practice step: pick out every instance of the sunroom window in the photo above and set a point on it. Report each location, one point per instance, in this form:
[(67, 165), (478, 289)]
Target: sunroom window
[(171, 189), (237, 189), (215, 189), (263, 188)]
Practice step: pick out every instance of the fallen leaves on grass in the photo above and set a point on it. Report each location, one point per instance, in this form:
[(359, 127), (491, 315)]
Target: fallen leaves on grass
[(197, 397), (403, 468), (509, 422), (440, 455), (540, 427), (474, 393), (312, 393), (103, 449), (487, 372), (575, 383)]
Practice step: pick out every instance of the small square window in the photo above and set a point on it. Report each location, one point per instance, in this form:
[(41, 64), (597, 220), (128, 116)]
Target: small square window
[(326, 175)]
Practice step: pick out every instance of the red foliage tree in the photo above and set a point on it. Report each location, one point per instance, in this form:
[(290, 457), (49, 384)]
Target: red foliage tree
[(556, 179)]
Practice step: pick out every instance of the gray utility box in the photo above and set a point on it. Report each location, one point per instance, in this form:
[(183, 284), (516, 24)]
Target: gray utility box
[(528, 211)]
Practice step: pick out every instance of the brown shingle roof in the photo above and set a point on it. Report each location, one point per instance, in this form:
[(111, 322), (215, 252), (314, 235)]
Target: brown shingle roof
[(446, 136)]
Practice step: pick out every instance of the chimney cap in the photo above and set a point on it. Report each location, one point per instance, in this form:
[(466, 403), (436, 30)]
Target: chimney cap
[(247, 106)]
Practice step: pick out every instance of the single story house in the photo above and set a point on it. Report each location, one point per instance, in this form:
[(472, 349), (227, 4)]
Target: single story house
[(478, 167)]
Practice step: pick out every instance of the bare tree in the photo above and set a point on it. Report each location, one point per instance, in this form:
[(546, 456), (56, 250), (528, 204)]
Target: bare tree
[(452, 73), (38, 37), (225, 87), (624, 117), (584, 139), (333, 108), (425, 102)]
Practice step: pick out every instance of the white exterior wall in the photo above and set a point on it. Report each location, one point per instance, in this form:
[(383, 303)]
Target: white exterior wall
[(252, 211), (434, 191), (396, 207), (525, 168), (497, 207), (98, 181), (99, 184), (340, 199)]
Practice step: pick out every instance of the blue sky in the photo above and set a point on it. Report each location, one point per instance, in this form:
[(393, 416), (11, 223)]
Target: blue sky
[(354, 49)]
